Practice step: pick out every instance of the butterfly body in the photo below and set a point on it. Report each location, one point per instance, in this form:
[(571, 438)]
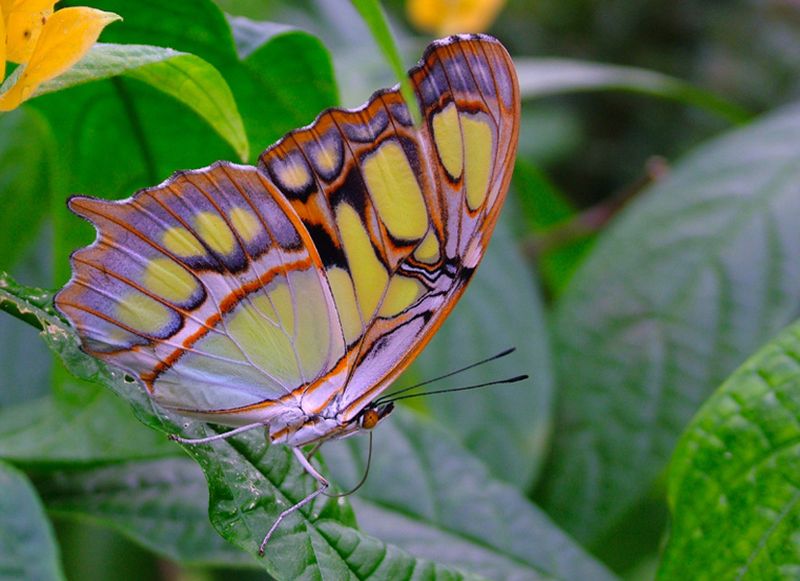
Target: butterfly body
[(293, 293)]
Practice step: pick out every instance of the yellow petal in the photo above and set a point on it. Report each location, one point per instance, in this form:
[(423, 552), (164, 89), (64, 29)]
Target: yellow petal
[(65, 38), (451, 16), (24, 23), (2, 44)]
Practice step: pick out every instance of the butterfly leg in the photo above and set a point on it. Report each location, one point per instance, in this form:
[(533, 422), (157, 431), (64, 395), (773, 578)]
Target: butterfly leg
[(323, 486), (216, 437), (313, 450)]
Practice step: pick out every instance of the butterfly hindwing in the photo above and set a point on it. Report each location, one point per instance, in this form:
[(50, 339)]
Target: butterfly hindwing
[(193, 287)]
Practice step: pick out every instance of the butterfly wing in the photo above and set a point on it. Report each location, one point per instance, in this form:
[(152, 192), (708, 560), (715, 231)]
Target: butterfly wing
[(194, 287), (304, 287), (401, 215)]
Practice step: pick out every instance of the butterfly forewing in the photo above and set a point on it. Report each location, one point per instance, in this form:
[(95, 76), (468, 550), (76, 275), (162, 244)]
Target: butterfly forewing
[(294, 293), (403, 224)]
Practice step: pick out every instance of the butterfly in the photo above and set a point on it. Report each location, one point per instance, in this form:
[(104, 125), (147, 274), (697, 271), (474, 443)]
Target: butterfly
[(292, 294)]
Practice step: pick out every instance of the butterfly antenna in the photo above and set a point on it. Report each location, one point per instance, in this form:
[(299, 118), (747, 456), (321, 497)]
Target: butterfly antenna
[(363, 478), (516, 379), (390, 396)]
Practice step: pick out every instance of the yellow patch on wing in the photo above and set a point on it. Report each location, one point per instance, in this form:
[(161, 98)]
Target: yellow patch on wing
[(292, 175), (344, 296), (327, 158), (447, 137), (263, 340), (369, 275), (292, 344), (169, 280), (182, 243), (479, 148), (220, 345), (428, 250), (142, 313), (283, 308), (214, 232), (313, 333), (400, 295), (118, 337), (395, 191), (245, 223)]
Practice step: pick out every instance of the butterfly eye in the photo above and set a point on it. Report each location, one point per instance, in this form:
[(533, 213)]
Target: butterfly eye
[(369, 419)]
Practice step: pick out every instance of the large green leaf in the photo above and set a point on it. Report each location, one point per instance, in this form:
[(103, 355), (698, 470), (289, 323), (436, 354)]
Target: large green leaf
[(284, 80), (185, 77), (250, 483), (733, 485), (99, 428), (508, 427), (687, 282), (160, 504), (27, 548), (427, 494)]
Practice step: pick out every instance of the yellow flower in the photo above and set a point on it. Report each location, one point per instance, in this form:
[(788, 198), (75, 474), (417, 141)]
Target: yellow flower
[(44, 43), (444, 17)]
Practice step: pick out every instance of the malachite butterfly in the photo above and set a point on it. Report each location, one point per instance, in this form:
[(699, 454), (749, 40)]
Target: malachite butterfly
[(293, 293)]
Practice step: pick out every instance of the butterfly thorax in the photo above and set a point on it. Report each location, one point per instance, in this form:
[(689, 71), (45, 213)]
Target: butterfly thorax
[(321, 427)]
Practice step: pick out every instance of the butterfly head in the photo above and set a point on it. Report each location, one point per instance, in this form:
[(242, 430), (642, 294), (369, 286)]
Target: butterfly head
[(372, 414)]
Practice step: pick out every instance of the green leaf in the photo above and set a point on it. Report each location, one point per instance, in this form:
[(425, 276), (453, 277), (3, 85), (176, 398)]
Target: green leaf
[(95, 427), (161, 504), (374, 17), (100, 428), (428, 495), (250, 35), (688, 281), (28, 304), (28, 549), (185, 77), (507, 426), (539, 77), (25, 360), (194, 82), (26, 148), (193, 26), (250, 483), (281, 78), (282, 83), (733, 485)]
